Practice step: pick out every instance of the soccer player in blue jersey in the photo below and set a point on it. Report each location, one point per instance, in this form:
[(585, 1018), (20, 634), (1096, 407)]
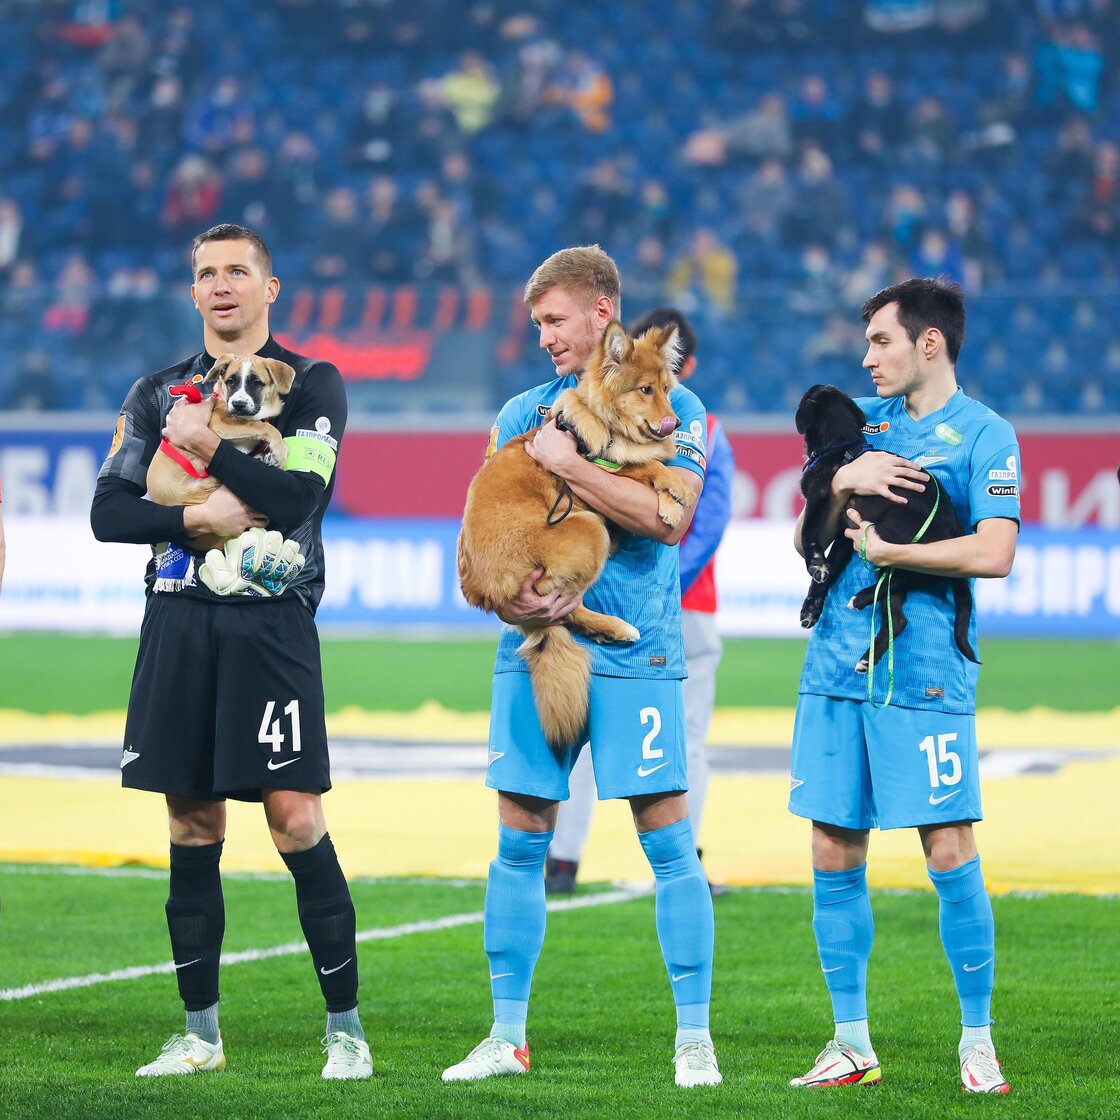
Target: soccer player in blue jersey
[(858, 762), (636, 719)]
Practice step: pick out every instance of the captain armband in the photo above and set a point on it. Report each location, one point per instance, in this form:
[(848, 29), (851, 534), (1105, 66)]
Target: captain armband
[(314, 451)]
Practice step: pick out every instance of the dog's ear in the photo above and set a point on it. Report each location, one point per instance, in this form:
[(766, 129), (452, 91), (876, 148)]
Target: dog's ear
[(806, 412), (617, 346), (670, 348), (282, 374), (218, 369)]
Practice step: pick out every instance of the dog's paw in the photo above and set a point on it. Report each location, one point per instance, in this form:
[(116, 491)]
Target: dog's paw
[(669, 508), (624, 632), (861, 665), (811, 612), (853, 605)]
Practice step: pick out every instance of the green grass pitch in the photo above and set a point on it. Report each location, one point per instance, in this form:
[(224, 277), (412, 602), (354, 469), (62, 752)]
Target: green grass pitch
[(48, 672), (601, 1023)]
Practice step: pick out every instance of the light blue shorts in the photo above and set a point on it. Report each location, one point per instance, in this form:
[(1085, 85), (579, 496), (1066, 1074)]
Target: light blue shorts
[(635, 730), (856, 766)]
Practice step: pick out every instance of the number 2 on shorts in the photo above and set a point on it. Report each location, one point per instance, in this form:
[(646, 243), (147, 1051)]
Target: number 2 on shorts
[(653, 717)]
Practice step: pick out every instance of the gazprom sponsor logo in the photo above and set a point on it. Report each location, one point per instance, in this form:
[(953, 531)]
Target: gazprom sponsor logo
[(1008, 475), (322, 437), (690, 439)]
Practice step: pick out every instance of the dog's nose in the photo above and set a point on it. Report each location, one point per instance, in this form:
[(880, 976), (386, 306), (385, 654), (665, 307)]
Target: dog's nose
[(668, 425)]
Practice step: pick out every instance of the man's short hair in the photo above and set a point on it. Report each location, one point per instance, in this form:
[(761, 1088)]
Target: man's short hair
[(929, 302), (668, 317), (227, 231), (584, 270)]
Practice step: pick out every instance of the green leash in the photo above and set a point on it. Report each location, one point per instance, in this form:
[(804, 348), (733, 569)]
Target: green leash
[(885, 576)]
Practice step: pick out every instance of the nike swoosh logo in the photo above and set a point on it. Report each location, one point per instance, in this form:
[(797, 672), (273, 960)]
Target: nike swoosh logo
[(493, 756), (937, 800), (499, 975), (337, 968), (977, 967), (187, 964), (644, 773), (274, 765), (834, 968), (128, 756), (681, 976)]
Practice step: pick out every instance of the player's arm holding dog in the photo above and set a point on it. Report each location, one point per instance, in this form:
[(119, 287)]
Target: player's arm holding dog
[(630, 504), (873, 473), (120, 512), (986, 553), (286, 498)]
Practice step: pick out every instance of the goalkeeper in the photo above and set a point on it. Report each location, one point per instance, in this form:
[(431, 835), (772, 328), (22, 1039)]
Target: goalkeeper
[(227, 696)]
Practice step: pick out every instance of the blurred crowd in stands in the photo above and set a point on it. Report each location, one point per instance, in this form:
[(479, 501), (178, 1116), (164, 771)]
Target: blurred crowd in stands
[(763, 164)]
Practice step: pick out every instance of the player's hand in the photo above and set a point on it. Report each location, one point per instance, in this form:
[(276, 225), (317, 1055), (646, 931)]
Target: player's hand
[(875, 472), (553, 449), (222, 514), (258, 564), (187, 426), (527, 607), (279, 561), (868, 545)]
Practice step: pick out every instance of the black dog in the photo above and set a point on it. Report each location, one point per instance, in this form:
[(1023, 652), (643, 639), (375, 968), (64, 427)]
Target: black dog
[(832, 424)]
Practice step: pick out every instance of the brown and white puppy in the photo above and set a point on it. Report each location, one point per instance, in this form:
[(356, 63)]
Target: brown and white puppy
[(519, 516), (248, 391)]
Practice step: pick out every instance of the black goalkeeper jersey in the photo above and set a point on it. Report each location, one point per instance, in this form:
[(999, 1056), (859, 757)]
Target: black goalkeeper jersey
[(293, 500)]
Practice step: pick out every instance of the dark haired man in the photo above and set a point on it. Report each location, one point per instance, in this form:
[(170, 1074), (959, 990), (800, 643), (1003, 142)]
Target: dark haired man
[(227, 697), (702, 645), (859, 762)]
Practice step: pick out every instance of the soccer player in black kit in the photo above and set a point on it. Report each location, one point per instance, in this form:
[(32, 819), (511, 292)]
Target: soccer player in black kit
[(227, 696)]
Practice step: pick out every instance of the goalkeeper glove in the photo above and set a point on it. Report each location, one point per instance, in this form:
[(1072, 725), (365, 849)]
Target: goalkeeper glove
[(257, 564)]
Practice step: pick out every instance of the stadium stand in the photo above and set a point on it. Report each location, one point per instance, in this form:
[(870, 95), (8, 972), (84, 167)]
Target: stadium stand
[(765, 164)]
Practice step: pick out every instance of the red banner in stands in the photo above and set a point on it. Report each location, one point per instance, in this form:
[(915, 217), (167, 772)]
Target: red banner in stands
[(1068, 480), (395, 357)]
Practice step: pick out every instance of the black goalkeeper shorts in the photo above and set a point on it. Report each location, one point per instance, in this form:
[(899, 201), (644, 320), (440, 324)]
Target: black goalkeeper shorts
[(227, 700)]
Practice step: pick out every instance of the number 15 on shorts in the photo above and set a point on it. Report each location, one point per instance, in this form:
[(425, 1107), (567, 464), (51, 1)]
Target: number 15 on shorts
[(944, 764)]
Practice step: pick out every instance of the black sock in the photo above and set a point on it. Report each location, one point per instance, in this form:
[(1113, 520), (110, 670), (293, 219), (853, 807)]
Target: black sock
[(326, 914), (196, 920)]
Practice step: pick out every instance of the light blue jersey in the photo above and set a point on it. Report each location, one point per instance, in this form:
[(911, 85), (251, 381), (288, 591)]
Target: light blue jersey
[(974, 455), (640, 582)]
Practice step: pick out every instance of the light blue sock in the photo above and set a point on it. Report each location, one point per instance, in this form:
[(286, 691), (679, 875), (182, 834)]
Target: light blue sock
[(685, 925), (513, 926), (854, 1034), (844, 928), (968, 935)]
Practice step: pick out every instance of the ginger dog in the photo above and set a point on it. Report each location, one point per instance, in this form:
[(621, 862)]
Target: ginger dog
[(248, 392), (520, 517)]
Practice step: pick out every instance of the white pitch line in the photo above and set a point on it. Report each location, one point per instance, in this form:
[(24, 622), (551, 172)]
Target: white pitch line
[(138, 972)]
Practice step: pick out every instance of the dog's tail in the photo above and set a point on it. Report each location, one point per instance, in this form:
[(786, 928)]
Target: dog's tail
[(560, 669)]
